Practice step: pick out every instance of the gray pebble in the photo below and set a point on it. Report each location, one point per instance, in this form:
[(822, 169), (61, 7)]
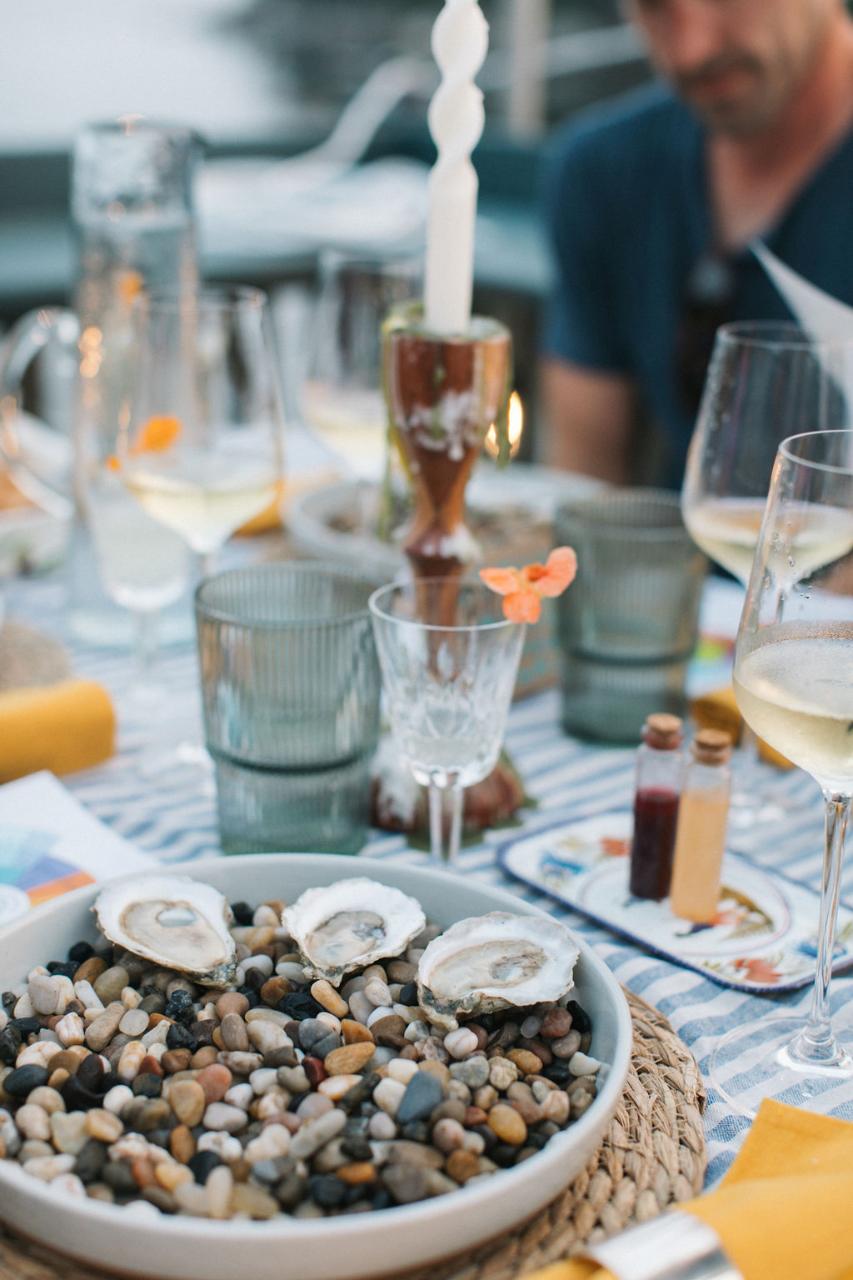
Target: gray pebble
[(221, 1117), (423, 1093), (242, 1064), (382, 1127), (360, 1007), (473, 1072), (378, 994), (580, 1064), (293, 1079), (314, 1135), (567, 1046), (110, 984), (266, 1078), (134, 1023)]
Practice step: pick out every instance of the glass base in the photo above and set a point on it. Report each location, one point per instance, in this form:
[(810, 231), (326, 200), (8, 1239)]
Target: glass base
[(750, 808), (323, 810), (771, 1059)]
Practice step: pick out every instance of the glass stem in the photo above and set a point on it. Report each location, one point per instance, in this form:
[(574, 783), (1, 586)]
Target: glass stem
[(455, 796), (748, 747), (436, 821), (145, 646), (816, 1042), (445, 851)]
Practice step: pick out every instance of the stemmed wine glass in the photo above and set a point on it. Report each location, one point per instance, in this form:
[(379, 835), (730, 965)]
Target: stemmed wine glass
[(766, 381), (449, 660), (200, 439), (200, 445), (342, 395), (794, 684)]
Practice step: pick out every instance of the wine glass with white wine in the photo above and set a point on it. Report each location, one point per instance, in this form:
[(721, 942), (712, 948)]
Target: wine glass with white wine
[(766, 381), (200, 439), (200, 446), (794, 684)]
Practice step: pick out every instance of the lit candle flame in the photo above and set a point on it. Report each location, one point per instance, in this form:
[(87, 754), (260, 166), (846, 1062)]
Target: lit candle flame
[(515, 429)]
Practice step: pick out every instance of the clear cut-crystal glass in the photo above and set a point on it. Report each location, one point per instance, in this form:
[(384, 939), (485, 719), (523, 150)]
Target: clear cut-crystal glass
[(794, 685), (449, 660)]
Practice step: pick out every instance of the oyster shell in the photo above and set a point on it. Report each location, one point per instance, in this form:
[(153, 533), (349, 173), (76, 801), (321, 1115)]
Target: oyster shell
[(350, 924), (494, 962), (172, 921)]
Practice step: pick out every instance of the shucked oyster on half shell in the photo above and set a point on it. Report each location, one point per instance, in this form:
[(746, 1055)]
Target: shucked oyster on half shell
[(350, 924), (172, 921), (493, 962)]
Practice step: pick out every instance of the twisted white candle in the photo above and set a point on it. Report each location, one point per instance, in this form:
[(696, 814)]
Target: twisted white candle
[(460, 41)]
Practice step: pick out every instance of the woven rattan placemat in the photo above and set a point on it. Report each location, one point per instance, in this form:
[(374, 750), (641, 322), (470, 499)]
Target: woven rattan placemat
[(652, 1156)]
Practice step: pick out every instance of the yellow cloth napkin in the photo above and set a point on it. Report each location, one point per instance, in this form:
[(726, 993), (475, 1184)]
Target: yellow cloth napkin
[(785, 1208), (719, 710), (60, 727)]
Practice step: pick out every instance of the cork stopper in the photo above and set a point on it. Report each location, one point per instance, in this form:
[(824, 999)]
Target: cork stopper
[(711, 746), (663, 731)]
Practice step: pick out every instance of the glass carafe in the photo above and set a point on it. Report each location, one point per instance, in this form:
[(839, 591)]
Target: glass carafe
[(132, 211)]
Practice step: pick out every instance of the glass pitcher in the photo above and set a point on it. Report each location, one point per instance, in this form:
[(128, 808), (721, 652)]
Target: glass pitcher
[(132, 209)]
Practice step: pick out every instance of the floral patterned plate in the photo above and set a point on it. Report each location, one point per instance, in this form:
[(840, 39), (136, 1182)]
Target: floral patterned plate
[(763, 937)]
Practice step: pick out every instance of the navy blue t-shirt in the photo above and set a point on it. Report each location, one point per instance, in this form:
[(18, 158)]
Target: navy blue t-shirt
[(628, 214)]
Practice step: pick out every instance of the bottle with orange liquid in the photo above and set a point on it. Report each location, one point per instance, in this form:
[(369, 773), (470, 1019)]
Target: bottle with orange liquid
[(701, 834)]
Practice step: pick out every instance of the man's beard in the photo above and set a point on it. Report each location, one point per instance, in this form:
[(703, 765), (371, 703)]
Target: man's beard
[(744, 113)]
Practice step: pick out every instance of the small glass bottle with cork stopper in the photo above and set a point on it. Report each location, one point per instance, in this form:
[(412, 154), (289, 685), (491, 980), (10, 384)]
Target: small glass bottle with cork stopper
[(701, 835), (659, 768)]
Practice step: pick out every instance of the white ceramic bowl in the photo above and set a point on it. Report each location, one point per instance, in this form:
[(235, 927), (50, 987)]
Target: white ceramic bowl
[(334, 1248)]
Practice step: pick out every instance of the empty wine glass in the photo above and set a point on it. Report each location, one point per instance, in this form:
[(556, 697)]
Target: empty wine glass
[(449, 660), (794, 684), (766, 381)]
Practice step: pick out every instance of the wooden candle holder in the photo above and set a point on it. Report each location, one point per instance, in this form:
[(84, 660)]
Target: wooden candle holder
[(443, 394)]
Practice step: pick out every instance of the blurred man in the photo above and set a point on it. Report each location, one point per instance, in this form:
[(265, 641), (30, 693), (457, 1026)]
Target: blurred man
[(652, 202)]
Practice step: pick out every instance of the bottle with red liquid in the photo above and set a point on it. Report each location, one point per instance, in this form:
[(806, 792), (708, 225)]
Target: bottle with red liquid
[(659, 770)]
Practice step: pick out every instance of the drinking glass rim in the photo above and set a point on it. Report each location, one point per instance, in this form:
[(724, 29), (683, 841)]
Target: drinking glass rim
[(791, 336), (300, 568), (377, 612), (828, 467), (130, 123), (224, 297), (591, 504)]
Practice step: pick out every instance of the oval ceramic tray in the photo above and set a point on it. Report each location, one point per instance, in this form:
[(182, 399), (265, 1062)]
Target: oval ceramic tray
[(341, 1248)]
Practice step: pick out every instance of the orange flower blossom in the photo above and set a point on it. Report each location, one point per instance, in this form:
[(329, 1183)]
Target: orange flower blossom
[(524, 589)]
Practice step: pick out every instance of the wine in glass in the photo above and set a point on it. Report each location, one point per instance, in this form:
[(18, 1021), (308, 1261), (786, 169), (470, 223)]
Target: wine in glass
[(766, 381), (794, 684), (342, 395), (201, 445), (448, 687)]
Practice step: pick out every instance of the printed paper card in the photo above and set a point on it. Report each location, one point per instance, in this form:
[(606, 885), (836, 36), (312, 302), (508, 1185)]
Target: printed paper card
[(50, 844)]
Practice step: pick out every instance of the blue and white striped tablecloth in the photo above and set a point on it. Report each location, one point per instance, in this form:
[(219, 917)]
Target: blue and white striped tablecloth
[(173, 818)]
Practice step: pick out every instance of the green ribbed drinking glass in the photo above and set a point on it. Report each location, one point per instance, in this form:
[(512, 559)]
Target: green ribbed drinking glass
[(290, 691)]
